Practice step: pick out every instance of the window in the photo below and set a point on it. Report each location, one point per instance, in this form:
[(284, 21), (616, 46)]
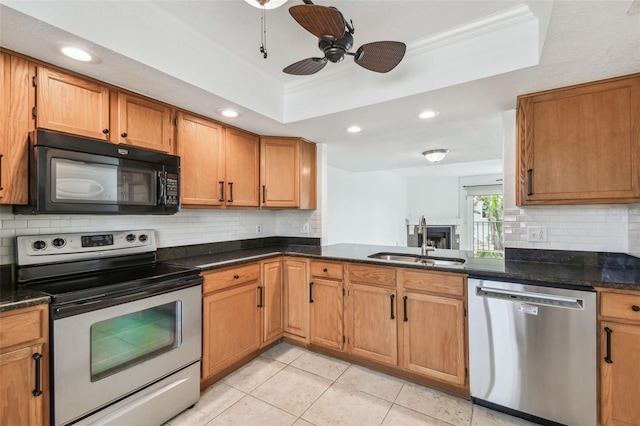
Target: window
[(485, 219)]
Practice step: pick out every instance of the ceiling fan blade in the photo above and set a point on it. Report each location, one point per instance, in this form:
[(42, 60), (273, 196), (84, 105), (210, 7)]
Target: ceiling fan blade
[(380, 56), (306, 66), (319, 20)]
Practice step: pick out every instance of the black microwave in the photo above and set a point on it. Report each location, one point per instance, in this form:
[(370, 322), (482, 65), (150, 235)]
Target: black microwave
[(73, 174)]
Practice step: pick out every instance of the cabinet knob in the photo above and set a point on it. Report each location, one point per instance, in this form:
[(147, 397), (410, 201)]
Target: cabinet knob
[(324, 270), (105, 131), (235, 277), (635, 308), (124, 134)]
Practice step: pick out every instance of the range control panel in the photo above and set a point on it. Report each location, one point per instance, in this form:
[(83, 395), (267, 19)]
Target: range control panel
[(32, 249)]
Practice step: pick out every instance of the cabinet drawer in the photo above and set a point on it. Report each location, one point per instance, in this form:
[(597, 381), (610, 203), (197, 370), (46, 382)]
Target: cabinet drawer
[(451, 285), (218, 280), (22, 326), (326, 269), (372, 275), (620, 306)]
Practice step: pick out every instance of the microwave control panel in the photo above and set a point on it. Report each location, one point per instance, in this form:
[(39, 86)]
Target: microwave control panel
[(171, 191)]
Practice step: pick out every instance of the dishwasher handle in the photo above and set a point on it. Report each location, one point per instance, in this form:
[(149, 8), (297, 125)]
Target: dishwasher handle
[(530, 297)]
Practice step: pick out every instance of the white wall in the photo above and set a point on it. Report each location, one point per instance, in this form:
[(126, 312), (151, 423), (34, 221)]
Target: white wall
[(587, 227), (366, 208), (190, 226), (434, 197)]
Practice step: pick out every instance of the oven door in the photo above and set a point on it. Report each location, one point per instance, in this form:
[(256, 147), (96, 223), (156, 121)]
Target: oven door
[(103, 355)]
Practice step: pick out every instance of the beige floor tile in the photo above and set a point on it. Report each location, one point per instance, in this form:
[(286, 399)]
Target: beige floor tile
[(342, 405), (217, 398), (369, 381), (484, 417), (189, 417), (450, 409), (301, 422), (253, 374), (400, 416), (284, 352), (292, 390), (251, 411), (329, 368)]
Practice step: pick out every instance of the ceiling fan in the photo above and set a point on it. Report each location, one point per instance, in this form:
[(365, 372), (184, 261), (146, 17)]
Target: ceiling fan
[(335, 39)]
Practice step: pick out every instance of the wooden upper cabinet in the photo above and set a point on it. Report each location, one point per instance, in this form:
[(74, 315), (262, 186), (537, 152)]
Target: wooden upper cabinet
[(200, 147), (17, 98), (242, 162), (287, 173), (580, 144), (73, 105), (141, 122)]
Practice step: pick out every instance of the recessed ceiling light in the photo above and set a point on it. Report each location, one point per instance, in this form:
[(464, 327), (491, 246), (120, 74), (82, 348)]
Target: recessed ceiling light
[(354, 129), (76, 53), (229, 113), (428, 114)]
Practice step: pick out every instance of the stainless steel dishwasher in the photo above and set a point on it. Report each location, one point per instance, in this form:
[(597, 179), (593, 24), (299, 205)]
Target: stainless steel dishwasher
[(532, 351)]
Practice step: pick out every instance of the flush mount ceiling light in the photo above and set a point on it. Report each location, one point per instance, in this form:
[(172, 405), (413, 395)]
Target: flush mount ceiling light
[(267, 4), (428, 114), (231, 113), (435, 155), (354, 129), (76, 53)]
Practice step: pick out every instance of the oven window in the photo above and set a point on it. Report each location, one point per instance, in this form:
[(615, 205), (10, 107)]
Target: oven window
[(121, 342), (92, 182)]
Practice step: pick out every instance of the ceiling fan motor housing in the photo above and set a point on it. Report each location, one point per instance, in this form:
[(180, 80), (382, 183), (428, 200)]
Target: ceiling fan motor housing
[(335, 50)]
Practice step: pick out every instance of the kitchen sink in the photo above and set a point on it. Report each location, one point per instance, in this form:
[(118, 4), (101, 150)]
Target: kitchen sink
[(413, 258)]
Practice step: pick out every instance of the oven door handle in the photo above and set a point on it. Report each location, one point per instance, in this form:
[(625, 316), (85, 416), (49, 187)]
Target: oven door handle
[(63, 310)]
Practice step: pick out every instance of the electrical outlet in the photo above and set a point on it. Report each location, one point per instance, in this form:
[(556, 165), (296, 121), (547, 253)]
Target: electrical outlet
[(537, 234), (304, 229), (258, 229)]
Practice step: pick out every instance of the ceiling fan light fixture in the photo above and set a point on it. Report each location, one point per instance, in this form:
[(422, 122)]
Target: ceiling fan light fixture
[(267, 4), (435, 155), (428, 114)]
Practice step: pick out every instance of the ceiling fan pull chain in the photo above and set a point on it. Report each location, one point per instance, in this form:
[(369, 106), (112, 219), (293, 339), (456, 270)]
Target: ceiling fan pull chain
[(263, 39)]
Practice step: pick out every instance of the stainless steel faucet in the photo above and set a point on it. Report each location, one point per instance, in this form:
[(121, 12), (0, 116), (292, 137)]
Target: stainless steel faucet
[(422, 228)]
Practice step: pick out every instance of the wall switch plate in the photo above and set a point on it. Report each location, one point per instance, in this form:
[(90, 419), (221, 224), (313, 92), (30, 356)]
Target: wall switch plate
[(304, 229), (258, 229), (537, 234)]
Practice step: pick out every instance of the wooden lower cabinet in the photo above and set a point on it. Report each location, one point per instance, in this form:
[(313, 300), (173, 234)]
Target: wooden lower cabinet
[(272, 301), (23, 345), (326, 313), (296, 298), (619, 358), (231, 323)]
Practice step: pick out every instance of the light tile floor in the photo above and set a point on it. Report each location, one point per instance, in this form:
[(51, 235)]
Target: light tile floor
[(288, 385)]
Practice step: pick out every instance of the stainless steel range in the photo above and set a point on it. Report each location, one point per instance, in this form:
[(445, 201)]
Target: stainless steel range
[(125, 329)]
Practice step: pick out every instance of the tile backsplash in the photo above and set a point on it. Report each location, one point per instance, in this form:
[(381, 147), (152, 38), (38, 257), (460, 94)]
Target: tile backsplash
[(606, 228), (634, 230), (190, 226)]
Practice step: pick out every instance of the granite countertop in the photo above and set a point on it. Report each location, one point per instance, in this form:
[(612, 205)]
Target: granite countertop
[(584, 270), (14, 297)]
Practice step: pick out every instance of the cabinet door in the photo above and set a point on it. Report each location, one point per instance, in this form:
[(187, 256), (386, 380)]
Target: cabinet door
[(201, 155), (272, 301), (142, 123), (18, 405), (580, 144), (434, 337), (325, 312), (620, 378), (17, 98), (279, 172), (70, 104), (242, 163), (231, 327), (296, 296), (372, 328)]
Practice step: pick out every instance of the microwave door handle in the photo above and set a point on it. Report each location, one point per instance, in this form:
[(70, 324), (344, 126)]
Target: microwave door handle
[(162, 196)]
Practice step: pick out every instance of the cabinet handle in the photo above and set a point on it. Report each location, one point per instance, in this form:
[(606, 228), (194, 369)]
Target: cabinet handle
[(607, 358), (264, 194), (404, 305), (260, 304), (124, 134), (1, 172), (635, 308), (311, 292), (392, 297), (230, 192), (37, 359), (105, 131), (221, 191), (530, 182)]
